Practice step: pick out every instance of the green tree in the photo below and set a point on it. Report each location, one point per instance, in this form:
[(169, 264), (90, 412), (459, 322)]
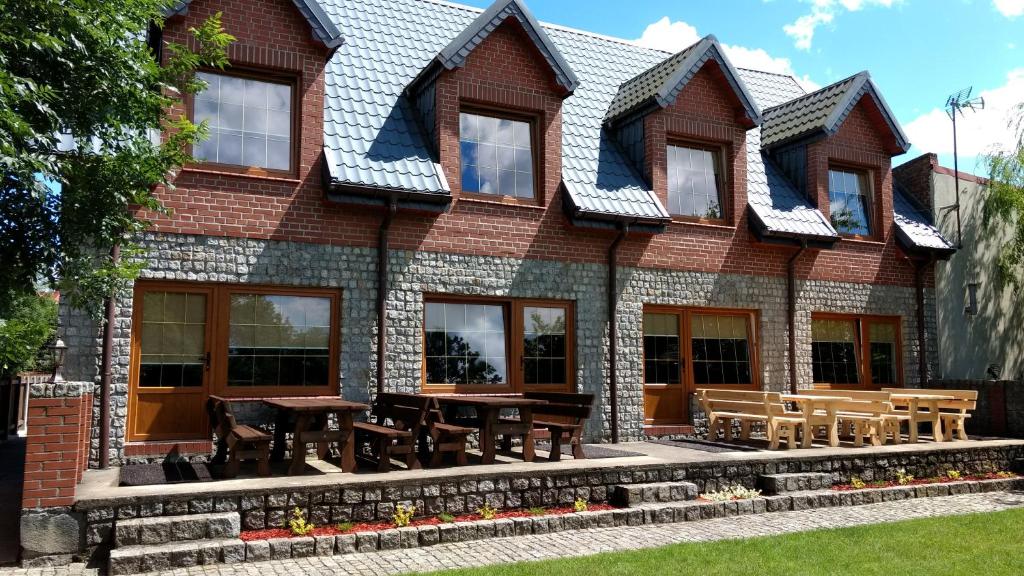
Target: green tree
[(81, 101), (26, 325), (1004, 204)]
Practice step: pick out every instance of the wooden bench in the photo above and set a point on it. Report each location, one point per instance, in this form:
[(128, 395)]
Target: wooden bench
[(446, 438), (865, 417), (241, 442), (397, 421), (564, 415), (954, 412), (724, 406)]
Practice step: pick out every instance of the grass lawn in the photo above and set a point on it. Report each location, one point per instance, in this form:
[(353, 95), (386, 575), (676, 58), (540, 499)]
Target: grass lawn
[(982, 544)]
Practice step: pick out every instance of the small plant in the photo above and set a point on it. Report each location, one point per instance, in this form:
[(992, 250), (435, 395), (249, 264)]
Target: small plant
[(403, 515), (343, 526), (580, 505), (736, 492), (298, 524), (902, 478), (1005, 474), (537, 511), (446, 518), (487, 512), (857, 483), (953, 474)]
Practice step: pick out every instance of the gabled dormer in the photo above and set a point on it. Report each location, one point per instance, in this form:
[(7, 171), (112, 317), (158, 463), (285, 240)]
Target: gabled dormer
[(682, 122), (490, 105), (836, 145)]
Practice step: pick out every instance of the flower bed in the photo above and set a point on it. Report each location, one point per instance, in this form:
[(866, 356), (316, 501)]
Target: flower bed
[(269, 533), (923, 481)]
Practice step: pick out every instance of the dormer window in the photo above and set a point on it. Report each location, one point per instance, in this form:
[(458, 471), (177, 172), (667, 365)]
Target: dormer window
[(849, 197), (496, 155), (694, 189), (251, 123)]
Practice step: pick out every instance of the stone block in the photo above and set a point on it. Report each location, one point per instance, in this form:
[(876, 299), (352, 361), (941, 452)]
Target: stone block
[(448, 533), (428, 535), (366, 541), (504, 528), (345, 543), (303, 547), (45, 532), (233, 552), (324, 545), (390, 539), (257, 551), (409, 536), (280, 548), (522, 526)]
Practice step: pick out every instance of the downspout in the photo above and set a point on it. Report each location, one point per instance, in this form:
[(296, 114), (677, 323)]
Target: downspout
[(382, 290), (106, 368), (791, 313), (613, 332), (922, 334)]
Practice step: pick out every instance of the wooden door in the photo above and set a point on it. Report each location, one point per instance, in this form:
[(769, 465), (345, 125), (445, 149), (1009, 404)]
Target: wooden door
[(664, 391), (170, 363)]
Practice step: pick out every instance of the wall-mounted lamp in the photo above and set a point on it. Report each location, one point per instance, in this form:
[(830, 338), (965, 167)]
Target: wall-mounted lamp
[(972, 299)]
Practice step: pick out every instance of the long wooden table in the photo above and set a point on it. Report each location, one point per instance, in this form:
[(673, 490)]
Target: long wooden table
[(488, 411), (312, 424), (818, 411), (914, 402)]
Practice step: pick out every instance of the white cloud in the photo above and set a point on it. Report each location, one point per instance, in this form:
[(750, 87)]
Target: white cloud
[(978, 132), (1009, 8), (824, 12), (674, 36)]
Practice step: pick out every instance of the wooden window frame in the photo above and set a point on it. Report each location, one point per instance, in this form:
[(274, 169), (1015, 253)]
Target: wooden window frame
[(515, 365), (270, 76), (683, 314), (719, 151), (531, 117), (862, 347), (218, 328), (873, 213)]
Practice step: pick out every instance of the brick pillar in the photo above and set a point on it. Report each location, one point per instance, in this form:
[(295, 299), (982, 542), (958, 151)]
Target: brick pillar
[(56, 455)]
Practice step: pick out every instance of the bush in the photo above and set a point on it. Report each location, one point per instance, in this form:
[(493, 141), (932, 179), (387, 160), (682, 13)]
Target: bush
[(731, 493), (298, 524), (25, 329), (403, 515)]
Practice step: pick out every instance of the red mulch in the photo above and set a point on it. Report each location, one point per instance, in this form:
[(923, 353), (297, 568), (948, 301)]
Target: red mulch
[(922, 481), (269, 533)]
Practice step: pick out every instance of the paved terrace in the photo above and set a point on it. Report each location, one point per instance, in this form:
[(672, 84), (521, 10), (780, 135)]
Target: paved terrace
[(100, 486), (592, 541)]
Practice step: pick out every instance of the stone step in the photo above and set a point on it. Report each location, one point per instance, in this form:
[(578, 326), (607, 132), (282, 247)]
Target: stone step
[(160, 557), (164, 529), (631, 495), (772, 484)]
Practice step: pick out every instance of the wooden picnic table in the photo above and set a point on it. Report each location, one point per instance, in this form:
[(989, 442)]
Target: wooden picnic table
[(914, 401), (313, 425), (488, 411), (818, 410)]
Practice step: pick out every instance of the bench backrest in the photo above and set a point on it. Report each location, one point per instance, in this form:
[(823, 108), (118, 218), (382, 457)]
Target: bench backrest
[(742, 401), (222, 419), (863, 395), (405, 411), (963, 400), (576, 407), (874, 407)]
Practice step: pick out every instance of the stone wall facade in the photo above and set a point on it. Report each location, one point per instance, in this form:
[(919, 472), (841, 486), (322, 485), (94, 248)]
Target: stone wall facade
[(415, 274)]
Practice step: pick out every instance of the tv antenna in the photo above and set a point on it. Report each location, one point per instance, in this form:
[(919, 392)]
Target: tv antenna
[(956, 104)]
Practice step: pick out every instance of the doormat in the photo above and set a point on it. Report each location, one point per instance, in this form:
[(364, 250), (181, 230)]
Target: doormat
[(591, 451), (704, 445), (166, 473)]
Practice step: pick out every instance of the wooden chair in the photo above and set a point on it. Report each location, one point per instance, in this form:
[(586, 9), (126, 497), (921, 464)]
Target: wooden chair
[(724, 406), (564, 415), (397, 421), (864, 409), (446, 438), (241, 442)]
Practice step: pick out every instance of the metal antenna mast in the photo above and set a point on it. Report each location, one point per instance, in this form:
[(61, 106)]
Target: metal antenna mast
[(957, 103)]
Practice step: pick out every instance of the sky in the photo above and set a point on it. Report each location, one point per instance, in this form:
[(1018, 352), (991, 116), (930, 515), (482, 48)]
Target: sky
[(917, 51)]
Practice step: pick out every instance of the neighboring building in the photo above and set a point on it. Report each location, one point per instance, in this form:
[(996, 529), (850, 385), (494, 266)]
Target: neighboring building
[(980, 334), (503, 165)]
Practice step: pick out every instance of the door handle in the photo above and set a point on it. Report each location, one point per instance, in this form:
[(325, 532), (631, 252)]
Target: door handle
[(206, 360)]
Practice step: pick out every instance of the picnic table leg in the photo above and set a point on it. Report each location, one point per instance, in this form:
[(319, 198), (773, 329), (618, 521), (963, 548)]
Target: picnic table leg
[(933, 413), (526, 416), (912, 407), (298, 446), (280, 424), (322, 423), (489, 418), (833, 428), (346, 442), (807, 428)]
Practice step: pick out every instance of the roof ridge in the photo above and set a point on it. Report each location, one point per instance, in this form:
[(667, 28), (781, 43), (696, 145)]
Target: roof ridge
[(822, 89)]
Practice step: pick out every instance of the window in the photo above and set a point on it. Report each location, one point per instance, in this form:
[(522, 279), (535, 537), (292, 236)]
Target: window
[(173, 340), (850, 201), (496, 156), (855, 351), (497, 345), (250, 122), (717, 345), (693, 183)]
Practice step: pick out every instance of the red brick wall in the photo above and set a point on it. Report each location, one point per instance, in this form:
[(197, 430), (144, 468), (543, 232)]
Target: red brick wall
[(505, 70), (916, 177), (56, 450)]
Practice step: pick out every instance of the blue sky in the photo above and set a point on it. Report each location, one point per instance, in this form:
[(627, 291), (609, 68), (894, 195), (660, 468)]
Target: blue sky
[(918, 51)]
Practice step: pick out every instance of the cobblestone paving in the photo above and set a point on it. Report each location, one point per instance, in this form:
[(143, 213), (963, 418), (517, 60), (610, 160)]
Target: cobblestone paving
[(586, 542)]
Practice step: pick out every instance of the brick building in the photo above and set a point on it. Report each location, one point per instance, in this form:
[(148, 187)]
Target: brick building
[(419, 196)]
